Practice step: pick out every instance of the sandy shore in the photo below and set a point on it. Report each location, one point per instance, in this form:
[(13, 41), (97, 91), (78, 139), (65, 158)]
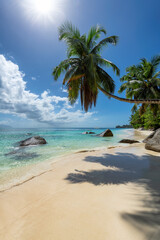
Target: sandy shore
[(141, 134), (112, 195)]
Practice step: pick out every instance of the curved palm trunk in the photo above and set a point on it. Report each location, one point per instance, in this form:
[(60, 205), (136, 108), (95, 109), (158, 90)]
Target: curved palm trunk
[(151, 101)]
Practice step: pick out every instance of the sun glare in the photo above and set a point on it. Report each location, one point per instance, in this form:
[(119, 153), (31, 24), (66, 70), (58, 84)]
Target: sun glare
[(46, 10), (43, 7)]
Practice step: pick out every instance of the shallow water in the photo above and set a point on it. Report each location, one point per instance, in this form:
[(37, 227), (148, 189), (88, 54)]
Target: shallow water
[(59, 142)]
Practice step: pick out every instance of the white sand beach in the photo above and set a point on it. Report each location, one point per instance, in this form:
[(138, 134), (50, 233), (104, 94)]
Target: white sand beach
[(112, 194), (79, 84)]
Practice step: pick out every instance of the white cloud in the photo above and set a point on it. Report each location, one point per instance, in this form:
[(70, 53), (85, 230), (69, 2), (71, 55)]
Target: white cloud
[(33, 78), (64, 90), (16, 100)]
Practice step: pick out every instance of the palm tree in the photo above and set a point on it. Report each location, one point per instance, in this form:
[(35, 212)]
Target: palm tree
[(143, 82), (84, 67)]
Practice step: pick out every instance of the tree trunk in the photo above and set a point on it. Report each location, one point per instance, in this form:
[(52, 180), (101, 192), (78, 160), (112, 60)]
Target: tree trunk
[(151, 101)]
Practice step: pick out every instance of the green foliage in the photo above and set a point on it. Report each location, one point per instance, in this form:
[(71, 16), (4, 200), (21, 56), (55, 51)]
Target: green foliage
[(136, 120), (84, 68), (142, 81), (147, 120)]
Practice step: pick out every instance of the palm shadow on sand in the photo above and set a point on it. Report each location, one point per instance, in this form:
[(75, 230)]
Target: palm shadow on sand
[(123, 168), (126, 168)]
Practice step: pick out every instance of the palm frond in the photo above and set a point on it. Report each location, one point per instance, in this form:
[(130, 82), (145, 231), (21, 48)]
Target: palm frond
[(105, 80), (143, 61), (67, 30), (155, 61), (123, 87), (134, 108), (157, 75), (94, 34), (76, 47), (63, 66), (105, 63), (73, 91), (112, 39), (69, 73)]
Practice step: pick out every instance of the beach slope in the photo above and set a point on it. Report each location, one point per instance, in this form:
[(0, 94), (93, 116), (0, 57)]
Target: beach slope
[(97, 195)]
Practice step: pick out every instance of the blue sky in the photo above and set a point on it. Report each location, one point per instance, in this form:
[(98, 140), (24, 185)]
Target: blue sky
[(29, 49)]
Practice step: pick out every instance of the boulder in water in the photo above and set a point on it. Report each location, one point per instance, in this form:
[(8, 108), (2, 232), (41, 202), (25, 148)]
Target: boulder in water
[(130, 141), (153, 141), (36, 140), (106, 133), (88, 133)]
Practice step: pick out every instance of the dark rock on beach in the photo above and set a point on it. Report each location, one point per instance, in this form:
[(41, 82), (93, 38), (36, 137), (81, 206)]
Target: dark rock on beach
[(153, 141), (130, 141), (106, 133), (36, 140), (88, 133), (149, 137)]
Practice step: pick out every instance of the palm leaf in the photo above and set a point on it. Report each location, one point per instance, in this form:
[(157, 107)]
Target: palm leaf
[(105, 63), (155, 61), (113, 40), (67, 30), (105, 80), (94, 34), (76, 47), (63, 66)]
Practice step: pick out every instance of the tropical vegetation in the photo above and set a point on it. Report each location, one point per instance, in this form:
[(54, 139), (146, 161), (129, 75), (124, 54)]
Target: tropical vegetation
[(147, 120), (84, 67), (142, 81)]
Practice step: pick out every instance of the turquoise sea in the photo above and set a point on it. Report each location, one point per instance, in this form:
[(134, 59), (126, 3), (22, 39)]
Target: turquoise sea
[(59, 142)]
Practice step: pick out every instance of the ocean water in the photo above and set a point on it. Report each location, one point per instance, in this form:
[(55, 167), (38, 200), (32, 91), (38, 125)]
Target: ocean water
[(59, 142)]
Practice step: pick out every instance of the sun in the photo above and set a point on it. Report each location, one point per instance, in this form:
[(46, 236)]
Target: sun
[(43, 7), (43, 10)]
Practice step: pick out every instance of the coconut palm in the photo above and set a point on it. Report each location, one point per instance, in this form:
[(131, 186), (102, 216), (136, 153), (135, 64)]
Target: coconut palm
[(84, 67), (143, 82)]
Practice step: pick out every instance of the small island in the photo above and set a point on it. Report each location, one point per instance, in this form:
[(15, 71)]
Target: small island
[(124, 126)]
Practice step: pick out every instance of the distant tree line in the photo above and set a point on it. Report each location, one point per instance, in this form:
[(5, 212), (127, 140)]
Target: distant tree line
[(124, 126)]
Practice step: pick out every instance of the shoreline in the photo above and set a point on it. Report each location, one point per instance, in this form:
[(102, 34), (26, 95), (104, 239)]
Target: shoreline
[(26, 173), (43, 169), (87, 195)]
